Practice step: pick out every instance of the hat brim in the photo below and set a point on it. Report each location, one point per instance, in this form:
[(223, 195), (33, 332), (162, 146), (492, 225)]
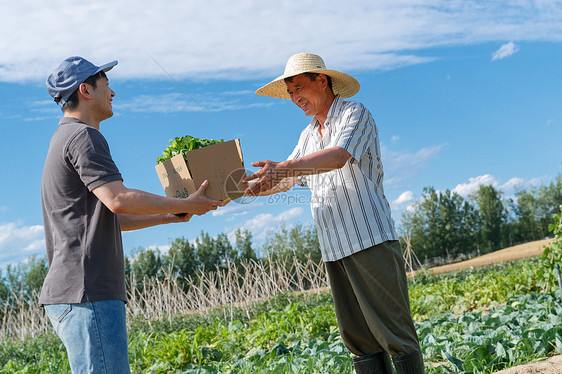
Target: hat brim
[(342, 84)]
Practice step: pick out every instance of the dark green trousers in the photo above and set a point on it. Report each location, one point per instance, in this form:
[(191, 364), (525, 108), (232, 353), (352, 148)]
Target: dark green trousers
[(371, 300)]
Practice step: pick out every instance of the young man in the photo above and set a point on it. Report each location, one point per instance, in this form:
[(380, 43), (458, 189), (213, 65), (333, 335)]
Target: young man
[(85, 208), (338, 157)]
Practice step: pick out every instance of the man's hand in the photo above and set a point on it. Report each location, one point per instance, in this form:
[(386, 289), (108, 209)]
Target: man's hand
[(173, 218), (268, 177), (199, 204)]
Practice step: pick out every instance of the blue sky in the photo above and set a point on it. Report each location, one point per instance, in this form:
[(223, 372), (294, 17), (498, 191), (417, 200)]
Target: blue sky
[(463, 92)]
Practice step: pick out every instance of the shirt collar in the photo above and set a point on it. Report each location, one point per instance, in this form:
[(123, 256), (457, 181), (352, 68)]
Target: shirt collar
[(335, 108), (333, 112)]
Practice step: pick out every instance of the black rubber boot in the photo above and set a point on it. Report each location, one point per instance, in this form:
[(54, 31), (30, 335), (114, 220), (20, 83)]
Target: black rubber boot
[(376, 363), (410, 363)]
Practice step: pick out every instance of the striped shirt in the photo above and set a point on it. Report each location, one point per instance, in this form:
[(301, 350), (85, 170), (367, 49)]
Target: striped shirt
[(348, 204)]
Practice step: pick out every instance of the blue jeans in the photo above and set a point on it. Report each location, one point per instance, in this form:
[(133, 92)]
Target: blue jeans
[(94, 334)]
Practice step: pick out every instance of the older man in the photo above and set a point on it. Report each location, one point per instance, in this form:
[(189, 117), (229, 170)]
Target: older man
[(338, 157)]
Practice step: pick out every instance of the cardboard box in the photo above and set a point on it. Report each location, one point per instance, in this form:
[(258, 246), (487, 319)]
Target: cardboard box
[(221, 164)]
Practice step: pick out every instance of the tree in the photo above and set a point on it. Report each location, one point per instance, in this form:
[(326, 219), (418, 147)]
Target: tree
[(27, 277), (304, 242), (492, 215), (277, 243), (535, 207), (442, 224), (244, 245), (182, 259), (214, 252), (147, 263)]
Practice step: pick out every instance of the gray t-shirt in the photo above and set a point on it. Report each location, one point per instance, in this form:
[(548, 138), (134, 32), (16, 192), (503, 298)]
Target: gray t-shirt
[(82, 235)]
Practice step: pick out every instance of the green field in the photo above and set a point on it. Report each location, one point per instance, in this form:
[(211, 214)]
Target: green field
[(474, 321)]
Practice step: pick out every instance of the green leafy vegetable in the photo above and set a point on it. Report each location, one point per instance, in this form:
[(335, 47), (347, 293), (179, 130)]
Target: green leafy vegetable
[(184, 144)]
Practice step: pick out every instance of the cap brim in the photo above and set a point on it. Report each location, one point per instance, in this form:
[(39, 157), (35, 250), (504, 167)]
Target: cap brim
[(107, 67)]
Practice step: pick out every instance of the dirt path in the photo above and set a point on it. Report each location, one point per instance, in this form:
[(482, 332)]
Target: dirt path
[(516, 252), (551, 366)]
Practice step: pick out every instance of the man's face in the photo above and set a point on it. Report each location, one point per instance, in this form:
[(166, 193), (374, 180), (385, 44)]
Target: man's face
[(103, 96), (306, 94)]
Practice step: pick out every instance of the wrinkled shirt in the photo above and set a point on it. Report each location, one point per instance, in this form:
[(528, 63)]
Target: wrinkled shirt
[(348, 205)]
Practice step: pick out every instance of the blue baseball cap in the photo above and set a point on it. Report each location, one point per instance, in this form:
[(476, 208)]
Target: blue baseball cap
[(72, 72)]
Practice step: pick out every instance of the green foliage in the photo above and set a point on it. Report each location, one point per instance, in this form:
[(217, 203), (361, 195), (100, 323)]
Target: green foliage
[(244, 244), (492, 215), (479, 321), (182, 259), (445, 225), (478, 288), (146, 264), (300, 242), (527, 327), (288, 333), (535, 208), (184, 144), (27, 277), (216, 252), (42, 354), (442, 224)]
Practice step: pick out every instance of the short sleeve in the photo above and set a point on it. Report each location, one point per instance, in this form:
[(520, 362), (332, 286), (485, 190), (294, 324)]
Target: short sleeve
[(88, 153), (355, 129), (300, 151), (297, 152)]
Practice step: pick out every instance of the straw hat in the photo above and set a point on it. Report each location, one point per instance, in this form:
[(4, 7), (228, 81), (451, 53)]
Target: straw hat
[(342, 84)]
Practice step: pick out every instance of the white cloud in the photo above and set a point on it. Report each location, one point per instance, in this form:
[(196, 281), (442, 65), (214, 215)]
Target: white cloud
[(508, 188), (404, 198), (246, 39), (17, 242), (233, 209), (465, 189), (395, 138), (510, 185), (404, 166), (549, 121), (163, 249), (535, 182), (505, 50), (179, 103), (262, 223)]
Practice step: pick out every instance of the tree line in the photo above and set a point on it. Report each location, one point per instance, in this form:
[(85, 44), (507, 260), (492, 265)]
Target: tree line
[(443, 224), (185, 259)]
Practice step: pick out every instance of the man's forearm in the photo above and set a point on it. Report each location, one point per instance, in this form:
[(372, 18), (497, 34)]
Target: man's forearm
[(316, 163), (135, 222), (122, 200), (131, 201)]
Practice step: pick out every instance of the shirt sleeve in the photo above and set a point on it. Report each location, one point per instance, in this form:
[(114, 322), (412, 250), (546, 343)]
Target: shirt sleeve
[(355, 130), (89, 154)]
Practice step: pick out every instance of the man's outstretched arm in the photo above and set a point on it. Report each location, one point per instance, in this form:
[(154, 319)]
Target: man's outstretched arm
[(271, 174)]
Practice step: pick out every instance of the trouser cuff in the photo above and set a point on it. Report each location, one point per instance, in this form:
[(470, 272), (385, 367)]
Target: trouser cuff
[(409, 363), (376, 363)]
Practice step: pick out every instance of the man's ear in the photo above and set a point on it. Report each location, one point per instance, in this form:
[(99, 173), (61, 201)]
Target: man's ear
[(323, 79), (85, 90)]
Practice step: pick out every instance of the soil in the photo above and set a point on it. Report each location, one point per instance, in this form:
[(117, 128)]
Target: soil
[(517, 252), (553, 365)]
